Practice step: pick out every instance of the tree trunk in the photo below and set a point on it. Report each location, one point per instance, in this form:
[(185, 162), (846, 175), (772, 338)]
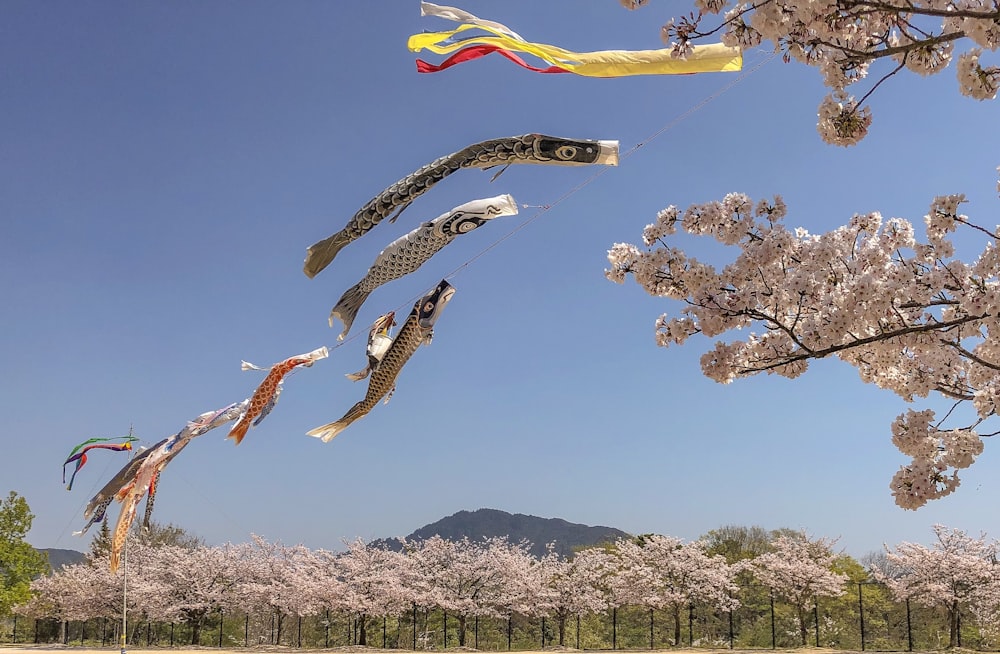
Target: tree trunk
[(801, 610), (362, 629), (561, 617), (676, 610), (280, 621), (462, 619), (953, 624)]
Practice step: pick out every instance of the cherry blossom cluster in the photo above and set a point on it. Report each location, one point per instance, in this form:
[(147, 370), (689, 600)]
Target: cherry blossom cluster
[(908, 315), (844, 38)]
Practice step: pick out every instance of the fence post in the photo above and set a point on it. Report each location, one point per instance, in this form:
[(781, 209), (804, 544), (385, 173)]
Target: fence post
[(909, 628), (774, 641), (816, 618), (861, 614)]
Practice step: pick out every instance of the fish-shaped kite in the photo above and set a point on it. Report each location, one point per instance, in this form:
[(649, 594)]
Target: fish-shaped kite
[(79, 453), (379, 341), (142, 478), (417, 330), (266, 395), (525, 149), (711, 58), (409, 252)]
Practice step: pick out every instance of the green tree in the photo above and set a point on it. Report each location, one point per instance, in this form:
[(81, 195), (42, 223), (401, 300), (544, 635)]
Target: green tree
[(19, 561)]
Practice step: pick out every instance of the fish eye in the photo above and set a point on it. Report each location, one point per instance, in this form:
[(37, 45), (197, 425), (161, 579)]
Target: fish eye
[(428, 307), (566, 152)]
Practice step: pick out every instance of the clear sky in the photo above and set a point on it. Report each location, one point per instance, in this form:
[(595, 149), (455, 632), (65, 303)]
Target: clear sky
[(163, 167)]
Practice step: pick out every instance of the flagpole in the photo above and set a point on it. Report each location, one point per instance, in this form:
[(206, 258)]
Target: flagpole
[(124, 638)]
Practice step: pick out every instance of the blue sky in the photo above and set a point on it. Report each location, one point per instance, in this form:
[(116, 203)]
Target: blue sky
[(165, 166)]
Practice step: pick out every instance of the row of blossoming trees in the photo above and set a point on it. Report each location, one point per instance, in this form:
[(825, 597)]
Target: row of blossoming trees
[(498, 579)]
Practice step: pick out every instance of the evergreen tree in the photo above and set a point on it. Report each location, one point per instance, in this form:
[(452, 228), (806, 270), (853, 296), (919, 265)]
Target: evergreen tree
[(19, 561)]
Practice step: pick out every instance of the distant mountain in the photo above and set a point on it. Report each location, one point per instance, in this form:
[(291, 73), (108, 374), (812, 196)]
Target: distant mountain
[(59, 558), (489, 523)]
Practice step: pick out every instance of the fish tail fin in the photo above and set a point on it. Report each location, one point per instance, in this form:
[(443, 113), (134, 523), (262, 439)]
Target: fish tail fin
[(329, 431), (348, 306), (359, 375), (239, 430), (320, 254)]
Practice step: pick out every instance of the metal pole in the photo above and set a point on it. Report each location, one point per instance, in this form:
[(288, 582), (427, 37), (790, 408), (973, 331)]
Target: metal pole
[(909, 628), (773, 639), (861, 612), (816, 619), (124, 594)]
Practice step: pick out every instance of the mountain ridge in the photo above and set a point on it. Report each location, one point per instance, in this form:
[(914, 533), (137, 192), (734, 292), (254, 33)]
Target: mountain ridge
[(491, 523)]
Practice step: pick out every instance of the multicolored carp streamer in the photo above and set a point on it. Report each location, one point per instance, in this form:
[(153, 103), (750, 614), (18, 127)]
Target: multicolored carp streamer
[(79, 454), (714, 58), (525, 149), (409, 252), (266, 395), (143, 478), (417, 330), (379, 341), (139, 476)]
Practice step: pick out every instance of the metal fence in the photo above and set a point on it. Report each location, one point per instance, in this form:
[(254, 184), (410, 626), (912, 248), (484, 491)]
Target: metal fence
[(864, 619)]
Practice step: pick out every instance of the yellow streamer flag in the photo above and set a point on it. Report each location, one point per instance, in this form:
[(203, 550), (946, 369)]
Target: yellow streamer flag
[(713, 58)]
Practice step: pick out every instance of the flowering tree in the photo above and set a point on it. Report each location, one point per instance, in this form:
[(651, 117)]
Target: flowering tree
[(669, 574), (844, 39), (907, 314), (957, 569), (799, 571), (460, 577), (572, 587), (371, 583)]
